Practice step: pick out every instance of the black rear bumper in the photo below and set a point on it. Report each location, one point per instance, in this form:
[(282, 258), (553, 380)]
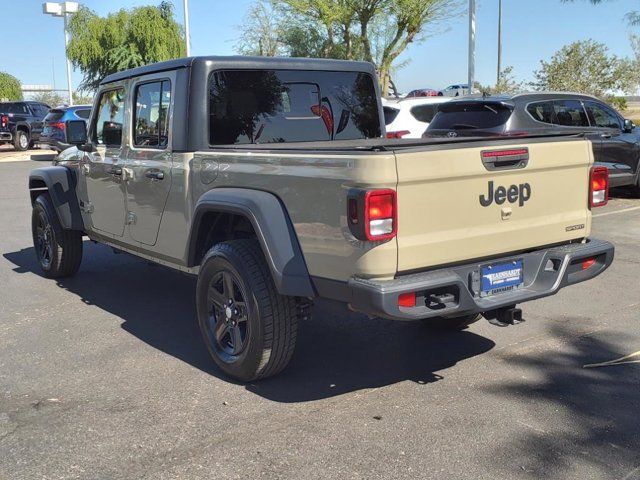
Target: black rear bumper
[(545, 272)]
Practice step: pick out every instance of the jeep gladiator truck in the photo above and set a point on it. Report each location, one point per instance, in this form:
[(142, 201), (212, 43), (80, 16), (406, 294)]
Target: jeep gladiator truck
[(271, 180), (21, 123)]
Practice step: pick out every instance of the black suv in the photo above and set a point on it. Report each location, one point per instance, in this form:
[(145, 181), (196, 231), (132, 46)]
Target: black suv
[(616, 142), (21, 123)]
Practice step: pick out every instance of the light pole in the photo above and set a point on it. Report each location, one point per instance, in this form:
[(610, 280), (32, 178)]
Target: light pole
[(63, 9), (499, 40), (472, 44), (186, 26)]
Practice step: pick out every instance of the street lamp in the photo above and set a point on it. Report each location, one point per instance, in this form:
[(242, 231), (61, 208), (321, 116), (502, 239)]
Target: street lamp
[(472, 45), (186, 26), (63, 9)]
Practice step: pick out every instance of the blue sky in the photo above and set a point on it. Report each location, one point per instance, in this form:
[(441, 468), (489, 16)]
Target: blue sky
[(532, 30)]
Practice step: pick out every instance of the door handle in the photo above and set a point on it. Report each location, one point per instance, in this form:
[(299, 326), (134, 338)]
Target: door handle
[(154, 174), (86, 169), (605, 135), (115, 171)]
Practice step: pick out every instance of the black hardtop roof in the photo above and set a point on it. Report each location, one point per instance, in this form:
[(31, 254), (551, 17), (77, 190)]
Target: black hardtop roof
[(242, 62), (23, 101)]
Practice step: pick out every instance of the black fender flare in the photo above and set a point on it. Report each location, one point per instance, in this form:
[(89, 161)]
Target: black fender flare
[(18, 126), (274, 230), (61, 184)]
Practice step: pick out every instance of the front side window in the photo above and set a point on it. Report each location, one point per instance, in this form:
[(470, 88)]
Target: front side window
[(151, 127), (107, 126), (570, 113), (602, 116), (541, 111), (272, 106)]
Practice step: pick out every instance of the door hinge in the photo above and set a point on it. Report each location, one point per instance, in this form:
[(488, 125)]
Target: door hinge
[(86, 207)]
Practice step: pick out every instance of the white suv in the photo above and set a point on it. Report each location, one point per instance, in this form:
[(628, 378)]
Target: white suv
[(409, 118)]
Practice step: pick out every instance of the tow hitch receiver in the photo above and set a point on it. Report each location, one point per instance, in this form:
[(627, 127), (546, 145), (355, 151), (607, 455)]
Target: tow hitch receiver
[(503, 317)]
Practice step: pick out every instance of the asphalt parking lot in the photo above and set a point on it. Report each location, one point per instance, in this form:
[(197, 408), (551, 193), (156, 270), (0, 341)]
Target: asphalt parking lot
[(104, 376)]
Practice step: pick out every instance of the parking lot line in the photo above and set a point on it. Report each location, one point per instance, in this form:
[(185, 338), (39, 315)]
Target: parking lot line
[(616, 211)]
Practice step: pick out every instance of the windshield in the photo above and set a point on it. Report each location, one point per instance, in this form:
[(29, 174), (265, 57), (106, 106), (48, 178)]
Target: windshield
[(476, 116)]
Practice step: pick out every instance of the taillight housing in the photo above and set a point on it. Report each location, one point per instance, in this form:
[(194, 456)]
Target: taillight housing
[(4, 121), (598, 187), (373, 214), (398, 134), (59, 125)]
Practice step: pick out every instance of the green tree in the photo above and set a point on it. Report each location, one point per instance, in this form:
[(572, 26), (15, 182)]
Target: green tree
[(586, 67), (53, 99), (82, 98), (507, 84), (378, 31), (9, 87), (125, 39)]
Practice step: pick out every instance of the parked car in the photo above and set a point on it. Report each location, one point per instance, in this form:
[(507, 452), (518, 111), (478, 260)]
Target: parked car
[(410, 117), (21, 123), (616, 142), (456, 90), (269, 179), (423, 92), (54, 133)]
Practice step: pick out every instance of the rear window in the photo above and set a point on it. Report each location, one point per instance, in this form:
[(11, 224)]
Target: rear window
[(14, 108), (470, 116), (424, 113), (272, 106), (54, 116), (83, 113), (390, 114)]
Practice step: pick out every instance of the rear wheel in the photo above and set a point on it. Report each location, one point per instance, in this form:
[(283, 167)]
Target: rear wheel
[(249, 329), (21, 140), (59, 251), (448, 324), (635, 189)]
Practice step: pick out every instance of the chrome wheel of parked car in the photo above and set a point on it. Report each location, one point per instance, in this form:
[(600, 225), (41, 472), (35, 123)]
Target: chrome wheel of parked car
[(21, 142)]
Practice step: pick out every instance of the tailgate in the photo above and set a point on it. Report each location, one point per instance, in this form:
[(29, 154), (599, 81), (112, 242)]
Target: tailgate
[(456, 204)]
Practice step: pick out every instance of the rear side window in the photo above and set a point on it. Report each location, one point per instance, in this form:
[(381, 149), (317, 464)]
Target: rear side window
[(83, 113), (424, 113), (107, 125), (541, 111), (54, 116), (271, 106), (470, 116), (151, 113), (390, 114), (14, 108), (570, 113)]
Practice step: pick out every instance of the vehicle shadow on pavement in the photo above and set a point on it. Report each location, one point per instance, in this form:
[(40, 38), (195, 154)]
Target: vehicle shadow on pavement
[(597, 421), (43, 157), (338, 351)]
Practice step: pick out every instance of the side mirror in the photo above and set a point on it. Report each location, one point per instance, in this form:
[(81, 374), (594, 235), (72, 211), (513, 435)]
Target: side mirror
[(112, 134), (629, 126), (76, 132)]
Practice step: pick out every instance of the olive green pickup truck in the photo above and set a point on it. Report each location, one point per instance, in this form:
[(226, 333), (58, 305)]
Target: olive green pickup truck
[(273, 182)]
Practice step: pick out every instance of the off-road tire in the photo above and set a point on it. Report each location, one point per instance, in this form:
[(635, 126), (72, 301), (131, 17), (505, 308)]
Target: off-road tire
[(18, 143), (450, 324), (271, 319), (64, 255)]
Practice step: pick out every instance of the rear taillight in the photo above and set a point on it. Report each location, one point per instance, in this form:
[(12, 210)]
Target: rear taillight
[(373, 214), (4, 121), (598, 187), (398, 134), (58, 125)]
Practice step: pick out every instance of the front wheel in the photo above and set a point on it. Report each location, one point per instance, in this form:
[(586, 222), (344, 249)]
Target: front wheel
[(448, 324), (249, 329), (59, 251)]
